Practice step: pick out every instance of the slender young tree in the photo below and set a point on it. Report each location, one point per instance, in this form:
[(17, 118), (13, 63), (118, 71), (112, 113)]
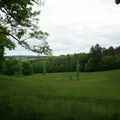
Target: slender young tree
[(44, 67), (77, 69), (69, 67)]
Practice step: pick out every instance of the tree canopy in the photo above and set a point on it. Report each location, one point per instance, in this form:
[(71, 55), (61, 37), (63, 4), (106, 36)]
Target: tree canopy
[(19, 22), (117, 1)]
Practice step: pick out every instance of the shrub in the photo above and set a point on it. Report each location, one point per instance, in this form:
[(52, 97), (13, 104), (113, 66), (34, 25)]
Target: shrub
[(9, 68), (27, 68)]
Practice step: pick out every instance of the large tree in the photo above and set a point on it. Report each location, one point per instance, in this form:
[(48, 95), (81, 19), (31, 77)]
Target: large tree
[(19, 22), (93, 63), (4, 43)]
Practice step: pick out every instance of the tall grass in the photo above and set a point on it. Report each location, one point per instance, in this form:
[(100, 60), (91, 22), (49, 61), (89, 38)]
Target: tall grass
[(95, 96)]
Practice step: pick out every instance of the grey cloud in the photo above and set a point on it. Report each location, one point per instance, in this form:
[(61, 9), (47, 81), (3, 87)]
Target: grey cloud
[(74, 26)]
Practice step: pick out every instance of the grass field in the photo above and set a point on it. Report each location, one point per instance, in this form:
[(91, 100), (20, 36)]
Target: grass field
[(59, 96)]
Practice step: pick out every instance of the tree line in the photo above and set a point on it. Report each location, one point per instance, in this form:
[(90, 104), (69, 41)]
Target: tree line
[(98, 59), (19, 20)]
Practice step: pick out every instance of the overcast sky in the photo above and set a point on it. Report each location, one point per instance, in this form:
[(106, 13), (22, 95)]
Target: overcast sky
[(75, 25)]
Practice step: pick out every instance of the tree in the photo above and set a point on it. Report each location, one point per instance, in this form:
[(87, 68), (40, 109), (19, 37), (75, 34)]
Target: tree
[(90, 66), (9, 67), (109, 51), (108, 62), (93, 63), (4, 43), (96, 53), (117, 50), (19, 21), (77, 70), (117, 1), (37, 66), (44, 67), (83, 59), (69, 66), (27, 68)]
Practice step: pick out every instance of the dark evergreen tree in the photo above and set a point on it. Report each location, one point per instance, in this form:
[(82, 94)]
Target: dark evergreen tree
[(93, 63), (117, 50), (110, 51)]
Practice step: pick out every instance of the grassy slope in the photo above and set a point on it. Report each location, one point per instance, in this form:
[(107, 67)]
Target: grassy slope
[(60, 96)]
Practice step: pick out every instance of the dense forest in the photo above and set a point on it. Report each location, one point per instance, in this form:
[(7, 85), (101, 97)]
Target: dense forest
[(98, 59)]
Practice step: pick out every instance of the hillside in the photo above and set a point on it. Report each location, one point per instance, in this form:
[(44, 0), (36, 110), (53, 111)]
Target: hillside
[(59, 96)]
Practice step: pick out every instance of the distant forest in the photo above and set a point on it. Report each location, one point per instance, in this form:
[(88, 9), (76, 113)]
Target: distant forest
[(98, 59)]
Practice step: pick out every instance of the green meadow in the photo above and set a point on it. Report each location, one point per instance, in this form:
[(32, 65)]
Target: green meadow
[(60, 96)]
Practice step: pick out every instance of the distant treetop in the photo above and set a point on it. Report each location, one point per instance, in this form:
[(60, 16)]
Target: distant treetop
[(117, 1)]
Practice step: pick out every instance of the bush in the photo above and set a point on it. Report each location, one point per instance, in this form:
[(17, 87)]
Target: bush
[(27, 68), (9, 68), (108, 62), (37, 66), (2, 67), (12, 67), (91, 66), (18, 69)]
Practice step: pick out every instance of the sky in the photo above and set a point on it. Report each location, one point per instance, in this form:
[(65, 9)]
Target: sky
[(75, 25)]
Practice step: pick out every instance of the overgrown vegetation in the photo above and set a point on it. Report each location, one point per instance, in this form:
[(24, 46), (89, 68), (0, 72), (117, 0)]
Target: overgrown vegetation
[(99, 59), (18, 24)]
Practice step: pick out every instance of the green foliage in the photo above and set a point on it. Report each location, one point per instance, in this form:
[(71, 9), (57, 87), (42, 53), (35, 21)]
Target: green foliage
[(18, 68), (4, 43), (93, 64), (18, 20), (117, 61), (1, 59), (58, 64), (108, 62), (44, 67), (37, 66), (27, 68), (12, 67), (88, 62), (89, 66), (83, 59), (96, 53), (77, 70), (69, 63), (9, 68)]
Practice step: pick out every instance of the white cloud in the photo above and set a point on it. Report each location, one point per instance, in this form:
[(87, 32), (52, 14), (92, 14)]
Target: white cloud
[(76, 25)]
